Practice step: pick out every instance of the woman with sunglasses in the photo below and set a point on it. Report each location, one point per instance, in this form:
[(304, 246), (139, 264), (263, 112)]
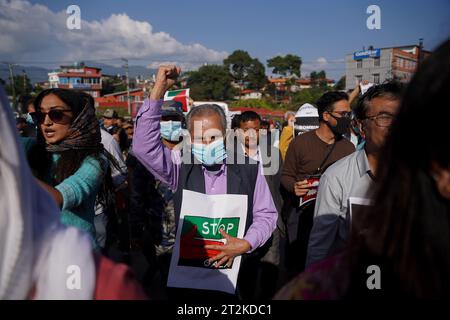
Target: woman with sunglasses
[(69, 160)]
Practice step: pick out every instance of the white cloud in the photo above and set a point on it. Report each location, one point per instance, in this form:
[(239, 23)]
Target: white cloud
[(322, 61), (34, 32), (333, 68), (316, 65)]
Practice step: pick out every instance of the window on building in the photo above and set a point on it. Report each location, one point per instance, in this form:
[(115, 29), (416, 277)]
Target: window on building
[(376, 78), (358, 78), (376, 62), (358, 64)]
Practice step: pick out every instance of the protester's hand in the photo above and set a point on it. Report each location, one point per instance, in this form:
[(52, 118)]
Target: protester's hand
[(165, 78), (234, 247), (301, 188)]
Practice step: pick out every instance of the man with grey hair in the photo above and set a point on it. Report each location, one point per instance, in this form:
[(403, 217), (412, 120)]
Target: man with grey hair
[(209, 173)]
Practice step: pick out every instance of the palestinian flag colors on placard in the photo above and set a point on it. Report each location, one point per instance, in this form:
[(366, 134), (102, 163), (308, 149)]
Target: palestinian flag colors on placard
[(197, 232), (181, 96)]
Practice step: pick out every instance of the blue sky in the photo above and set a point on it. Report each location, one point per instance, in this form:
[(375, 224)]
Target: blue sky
[(265, 28)]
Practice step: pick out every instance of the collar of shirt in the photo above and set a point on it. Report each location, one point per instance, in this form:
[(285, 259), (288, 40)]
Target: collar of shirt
[(221, 171), (363, 164)]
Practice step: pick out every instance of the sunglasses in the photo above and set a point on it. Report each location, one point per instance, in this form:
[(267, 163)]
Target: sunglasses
[(55, 115)]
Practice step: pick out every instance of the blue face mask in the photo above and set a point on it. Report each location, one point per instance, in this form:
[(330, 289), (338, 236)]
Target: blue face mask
[(171, 130), (209, 154)]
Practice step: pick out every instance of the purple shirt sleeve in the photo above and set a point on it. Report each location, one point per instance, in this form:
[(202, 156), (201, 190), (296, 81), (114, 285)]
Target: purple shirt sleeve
[(162, 162), (264, 214)]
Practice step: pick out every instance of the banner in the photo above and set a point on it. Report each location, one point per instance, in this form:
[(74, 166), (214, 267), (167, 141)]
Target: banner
[(373, 53), (201, 217), (181, 96)]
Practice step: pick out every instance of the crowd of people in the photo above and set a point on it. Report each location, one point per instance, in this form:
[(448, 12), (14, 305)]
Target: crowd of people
[(100, 192)]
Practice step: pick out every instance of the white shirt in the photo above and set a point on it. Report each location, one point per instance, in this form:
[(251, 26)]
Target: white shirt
[(112, 146), (118, 176), (348, 177)]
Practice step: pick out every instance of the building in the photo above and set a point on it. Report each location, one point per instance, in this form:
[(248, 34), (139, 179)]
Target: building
[(77, 76), (306, 83), (119, 99), (249, 94), (382, 64), (282, 84)]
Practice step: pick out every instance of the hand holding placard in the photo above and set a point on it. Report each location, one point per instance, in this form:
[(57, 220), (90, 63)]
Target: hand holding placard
[(232, 248)]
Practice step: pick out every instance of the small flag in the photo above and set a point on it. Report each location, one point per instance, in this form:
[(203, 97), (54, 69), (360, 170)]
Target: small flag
[(181, 96)]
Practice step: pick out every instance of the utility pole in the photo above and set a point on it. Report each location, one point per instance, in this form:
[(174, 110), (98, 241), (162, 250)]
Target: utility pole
[(24, 81), (11, 79), (128, 84)]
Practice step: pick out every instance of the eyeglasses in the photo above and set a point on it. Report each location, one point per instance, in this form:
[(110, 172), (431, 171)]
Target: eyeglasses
[(382, 120), (55, 115)]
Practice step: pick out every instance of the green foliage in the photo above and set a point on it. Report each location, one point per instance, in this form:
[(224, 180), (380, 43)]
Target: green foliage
[(246, 70), (340, 85), (306, 96), (285, 65), (22, 85), (256, 77), (318, 79), (254, 103), (113, 84), (211, 82)]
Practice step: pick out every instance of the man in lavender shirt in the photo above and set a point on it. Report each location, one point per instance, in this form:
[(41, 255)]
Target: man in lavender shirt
[(166, 164)]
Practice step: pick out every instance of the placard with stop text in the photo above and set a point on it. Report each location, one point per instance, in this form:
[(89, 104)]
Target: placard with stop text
[(201, 217)]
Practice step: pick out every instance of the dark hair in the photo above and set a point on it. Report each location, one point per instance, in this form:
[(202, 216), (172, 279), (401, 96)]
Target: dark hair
[(327, 100), (236, 121), (69, 162), (75, 99), (408, 227), (23, 102), (265, 124), (123, 138), (391, 90), (249, 116)]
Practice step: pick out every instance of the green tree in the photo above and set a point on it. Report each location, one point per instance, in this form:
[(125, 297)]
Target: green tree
[(256, 78), (254, 103), (285, 65), (22, 85), (211, 82), (318, 79), (113, 84), (340, 85), (310, 95), (245, 70), (37, 89)]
